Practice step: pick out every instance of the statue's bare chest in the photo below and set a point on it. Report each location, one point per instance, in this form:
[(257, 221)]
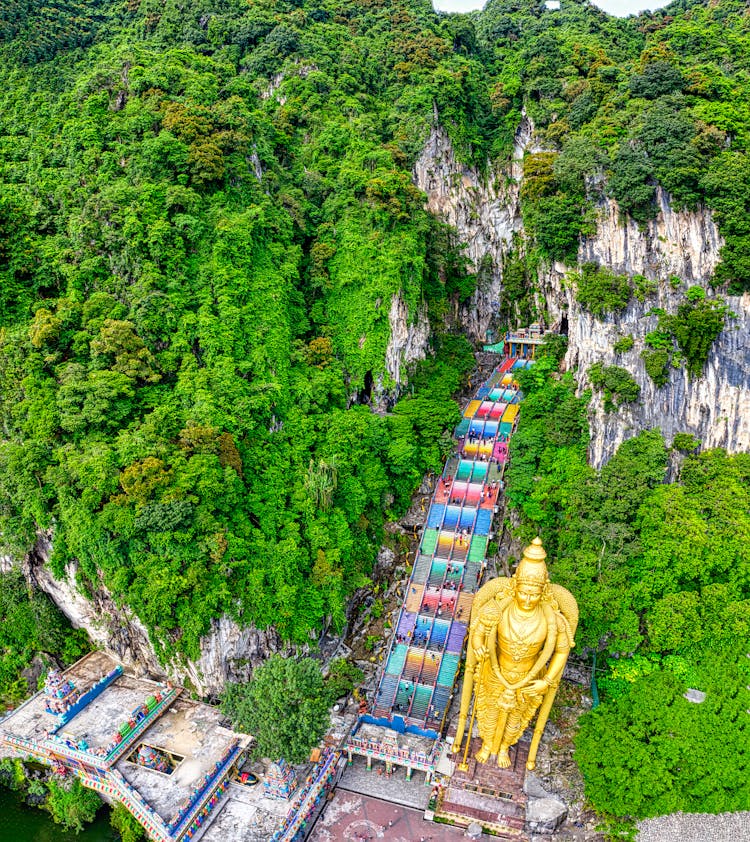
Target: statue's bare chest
[(521, 639)]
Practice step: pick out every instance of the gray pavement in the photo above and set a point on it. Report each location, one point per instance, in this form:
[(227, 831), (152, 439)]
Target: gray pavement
[(696, 827), (395, 789)]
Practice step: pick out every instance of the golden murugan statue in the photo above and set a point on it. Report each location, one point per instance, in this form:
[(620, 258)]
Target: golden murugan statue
[(521, 632)]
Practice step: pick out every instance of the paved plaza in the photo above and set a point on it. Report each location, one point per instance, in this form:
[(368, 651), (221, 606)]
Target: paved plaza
[(359, 818), (396, 788), (696, 827)]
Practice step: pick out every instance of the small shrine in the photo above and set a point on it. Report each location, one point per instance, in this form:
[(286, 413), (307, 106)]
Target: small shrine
[(523, 342), (60, 693), (152, 758), (280, 780)]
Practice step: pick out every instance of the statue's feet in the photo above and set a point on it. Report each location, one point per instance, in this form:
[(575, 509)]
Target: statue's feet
[(483, 754), (503, 758)]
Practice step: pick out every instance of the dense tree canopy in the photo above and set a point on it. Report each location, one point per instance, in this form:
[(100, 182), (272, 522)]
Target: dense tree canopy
[(198, 261), (652, 751), (207, 219), (661, 572), (284, 707), (207, 216)]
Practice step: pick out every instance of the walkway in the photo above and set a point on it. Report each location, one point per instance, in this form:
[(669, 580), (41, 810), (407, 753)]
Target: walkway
[(425, 652), (351, 816)]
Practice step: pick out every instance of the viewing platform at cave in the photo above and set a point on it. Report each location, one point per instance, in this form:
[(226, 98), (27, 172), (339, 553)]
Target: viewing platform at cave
[(520, 343)]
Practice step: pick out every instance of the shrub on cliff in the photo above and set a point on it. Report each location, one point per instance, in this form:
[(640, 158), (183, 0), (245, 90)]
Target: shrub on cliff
[(71, 804), (30, 625), (600, 290), (617, 383)]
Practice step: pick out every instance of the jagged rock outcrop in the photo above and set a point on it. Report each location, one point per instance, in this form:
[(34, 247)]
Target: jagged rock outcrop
[(675, 244), (409, 338), (714, 407), (483, 208), (228, 652), (545, 815), (685, 244)]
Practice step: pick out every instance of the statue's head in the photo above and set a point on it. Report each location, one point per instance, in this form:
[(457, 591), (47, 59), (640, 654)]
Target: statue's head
[(531, 576)]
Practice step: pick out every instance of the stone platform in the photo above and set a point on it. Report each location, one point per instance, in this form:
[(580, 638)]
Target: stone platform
[(486, 794)]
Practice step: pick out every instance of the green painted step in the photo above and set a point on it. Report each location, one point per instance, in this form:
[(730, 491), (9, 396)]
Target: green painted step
[(478, 548), (396, 661), (448, 667), (420, 574), (464, 469), (422, 695), (463, 428), (429, 541)]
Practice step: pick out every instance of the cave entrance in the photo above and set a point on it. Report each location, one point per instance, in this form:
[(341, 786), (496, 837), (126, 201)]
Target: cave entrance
[(365, 393)]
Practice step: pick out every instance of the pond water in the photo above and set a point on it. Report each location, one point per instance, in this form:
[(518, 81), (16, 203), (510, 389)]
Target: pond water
[(19, 823)]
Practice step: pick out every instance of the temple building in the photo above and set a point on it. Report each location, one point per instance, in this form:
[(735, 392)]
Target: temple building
[(168, 759)]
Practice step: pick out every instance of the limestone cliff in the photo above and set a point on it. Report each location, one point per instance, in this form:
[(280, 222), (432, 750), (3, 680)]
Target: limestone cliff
[(676, 244), (228, 651), (484, 210), (408, 339)]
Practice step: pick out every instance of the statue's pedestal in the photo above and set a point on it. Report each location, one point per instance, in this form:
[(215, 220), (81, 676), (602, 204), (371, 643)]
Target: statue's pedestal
[(489, 795)]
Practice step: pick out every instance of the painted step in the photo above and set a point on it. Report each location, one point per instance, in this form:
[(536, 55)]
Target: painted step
[(429, 542), (435, 516)]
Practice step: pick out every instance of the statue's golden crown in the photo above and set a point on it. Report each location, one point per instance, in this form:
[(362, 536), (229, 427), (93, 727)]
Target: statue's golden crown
[(531, 568)]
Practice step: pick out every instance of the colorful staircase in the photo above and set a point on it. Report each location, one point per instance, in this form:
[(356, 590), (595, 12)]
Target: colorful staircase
[(425, 653)]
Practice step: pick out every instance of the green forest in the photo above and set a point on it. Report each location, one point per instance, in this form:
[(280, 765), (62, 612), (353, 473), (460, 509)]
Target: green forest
[(661, 571), (206, 212)]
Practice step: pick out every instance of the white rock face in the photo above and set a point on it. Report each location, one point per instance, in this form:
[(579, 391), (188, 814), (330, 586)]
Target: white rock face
[(484, 209), (681, 243), (714, 407), (409, 339), (228, 653), (685, 244)]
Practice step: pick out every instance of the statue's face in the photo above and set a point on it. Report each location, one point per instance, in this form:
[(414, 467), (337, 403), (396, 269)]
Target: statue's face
[(528, 595)]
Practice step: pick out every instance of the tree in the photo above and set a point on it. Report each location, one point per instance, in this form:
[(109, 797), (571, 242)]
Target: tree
[(30, 625), (341, 679), (618, 385), (600, 290), (129, 828), (657, 79), (283, 706), (651, 751), (71, 804), (631, 181)]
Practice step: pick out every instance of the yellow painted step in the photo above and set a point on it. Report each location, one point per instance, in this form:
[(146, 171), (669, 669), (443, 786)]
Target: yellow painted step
[(471, 409), (511, 412)]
